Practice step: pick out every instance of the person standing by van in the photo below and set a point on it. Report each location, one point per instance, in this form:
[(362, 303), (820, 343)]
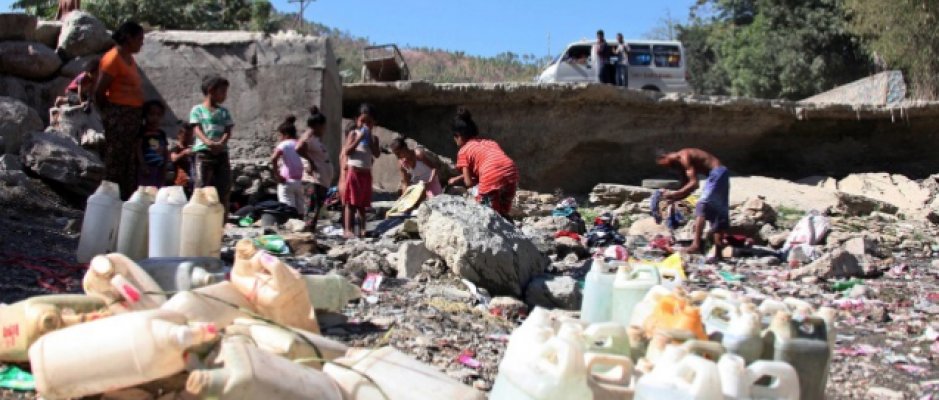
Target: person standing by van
[(602, 54), (622, 63)]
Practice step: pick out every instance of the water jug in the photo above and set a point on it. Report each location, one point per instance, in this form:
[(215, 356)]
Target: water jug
[(642, 310), (399, 377), (132, 234), (692, 377), (101, 222), (122, 284), (276, 290), (195, 229), (554, 370), (598, 288), (629, 288), (220, 304), (115, 352), (673, 313), (166, 215), (804, 345), (25, 321), (293, 344), (216, 222), (331, 292), (607, 338), (611, 376), (184, 273), (738, 330), (251, 373), (534, 331), (740, 381)]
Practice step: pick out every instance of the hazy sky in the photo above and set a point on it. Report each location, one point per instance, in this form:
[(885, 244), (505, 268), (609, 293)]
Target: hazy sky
[(487, 27)]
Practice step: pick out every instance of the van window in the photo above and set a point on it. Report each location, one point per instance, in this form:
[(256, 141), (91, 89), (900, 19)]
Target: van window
[(640, 54), (578, 54), (667, 56)]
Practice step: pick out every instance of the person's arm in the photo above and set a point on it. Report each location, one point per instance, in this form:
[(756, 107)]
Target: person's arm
[(197, 130), (690, 186), (101, 89), (468, 177), (433, 164), (274, 159), (352, 140), (376, 146), (179, 153), (405, 178)]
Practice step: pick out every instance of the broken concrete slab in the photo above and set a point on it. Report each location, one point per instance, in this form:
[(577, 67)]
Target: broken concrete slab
[(411, 257)]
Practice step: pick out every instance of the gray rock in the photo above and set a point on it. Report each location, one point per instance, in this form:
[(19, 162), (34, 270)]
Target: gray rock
[(411, 257), (566, 246), (17, 122), (553, 224), (83, 34), (508, 307), (554, 292), (17, 26), (856, 205), (39, 96), (82, 126), (861, 246), (47, 32), (837, 264), (542, 239), (28, 60), (615, 195), (365, 262), (11, 171), (59, 158), (77, 65), (479, 245)]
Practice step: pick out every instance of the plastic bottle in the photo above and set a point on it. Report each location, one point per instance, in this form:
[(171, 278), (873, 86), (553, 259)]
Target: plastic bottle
[(276, 290), (27, 320), (215, 223), (739, 381), (554, 370), (598, 287), (195, 228), (116, 352), (399, 376), (610, 376), (184, 273), (331, 292), (692, 377), (293, 344), (629, 288), (220, 304), (101, 222), (132, 234), (607, 338), (122, 284), (251, 373), (166, 216)]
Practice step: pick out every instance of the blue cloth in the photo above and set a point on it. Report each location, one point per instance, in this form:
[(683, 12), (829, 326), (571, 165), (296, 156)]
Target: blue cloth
[(153, 146), (714, 204), (654, 205)]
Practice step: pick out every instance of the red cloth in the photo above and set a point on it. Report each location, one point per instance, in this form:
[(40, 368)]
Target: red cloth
[(488, 164), (572, 235), (358, 188), (500, 199)]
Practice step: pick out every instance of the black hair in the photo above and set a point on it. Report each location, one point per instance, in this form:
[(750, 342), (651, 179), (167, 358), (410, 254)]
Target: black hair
[(288, 128), (126, 31), (463, 124), (316, 118), (600, 33), (150, 104), (367, 109), (210, 82), (398, 143)]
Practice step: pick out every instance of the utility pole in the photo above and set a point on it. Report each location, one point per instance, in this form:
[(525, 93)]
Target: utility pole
[(303, 4)]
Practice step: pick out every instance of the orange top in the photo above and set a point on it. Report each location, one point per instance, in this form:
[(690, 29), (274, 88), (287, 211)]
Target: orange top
[(126, 88)]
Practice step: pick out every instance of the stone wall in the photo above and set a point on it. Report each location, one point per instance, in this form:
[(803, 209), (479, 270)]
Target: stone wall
[(575, 136)]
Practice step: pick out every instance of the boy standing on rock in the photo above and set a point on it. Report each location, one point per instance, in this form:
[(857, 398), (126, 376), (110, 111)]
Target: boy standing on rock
[(714, 204)]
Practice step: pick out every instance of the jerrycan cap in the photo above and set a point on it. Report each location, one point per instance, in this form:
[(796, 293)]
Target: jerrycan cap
[(101, 265)]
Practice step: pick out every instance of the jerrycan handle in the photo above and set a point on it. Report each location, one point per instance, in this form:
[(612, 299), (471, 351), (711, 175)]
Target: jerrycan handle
[(646, 271), (620, 372), (784, 378), (723, 305), (810, 328), (563, 360), (707, 349)]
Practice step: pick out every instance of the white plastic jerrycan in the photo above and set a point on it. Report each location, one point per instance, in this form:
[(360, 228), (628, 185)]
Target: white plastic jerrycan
[(531, 334), (330, 292), (25, 321), (251, 373), (629, 288), (739, 381), (804, 344), (555, 370), (166, 215), (115, 352), (293, 344), (184, 273), (195, 228), (598, 289), (215, 222), (738, 330), (607, 338), (122, 284), (611, 376), (132, 234), (101, 222), (220, 304), (692, 377)]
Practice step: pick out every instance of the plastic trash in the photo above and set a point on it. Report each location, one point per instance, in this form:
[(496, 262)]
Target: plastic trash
[(166, 217), (220, 304), (554, 370), (14, 378), (274, 244), (598, 289), (184, 273), (101, 222), (27, 320), (293, 344), (122, 284), (133, 229), (330, 292)]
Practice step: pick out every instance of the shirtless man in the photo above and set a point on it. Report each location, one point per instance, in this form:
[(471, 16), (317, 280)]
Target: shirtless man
[(714, 204)]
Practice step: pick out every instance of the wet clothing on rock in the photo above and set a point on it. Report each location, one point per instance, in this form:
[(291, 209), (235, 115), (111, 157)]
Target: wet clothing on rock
[(714, 204), (604, 232), (495, 172)]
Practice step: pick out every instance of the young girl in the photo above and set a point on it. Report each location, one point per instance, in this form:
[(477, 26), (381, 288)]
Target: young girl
[(483, 164), (311, 147), (359, 152), (153, 150), (416, 167), (290, 173), (181, 156)]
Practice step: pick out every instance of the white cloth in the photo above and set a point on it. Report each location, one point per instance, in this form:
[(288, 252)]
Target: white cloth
[(292, 194)]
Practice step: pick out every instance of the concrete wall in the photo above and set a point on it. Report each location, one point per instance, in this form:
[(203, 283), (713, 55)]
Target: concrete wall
[(575, 136)]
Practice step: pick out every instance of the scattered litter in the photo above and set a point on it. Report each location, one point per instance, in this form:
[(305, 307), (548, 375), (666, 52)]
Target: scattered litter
[(274, 244), (466, 358), (372, 282), (11, 377)]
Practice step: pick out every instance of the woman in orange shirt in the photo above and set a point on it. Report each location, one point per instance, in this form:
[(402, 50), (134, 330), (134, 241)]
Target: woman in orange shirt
[(119, 96)]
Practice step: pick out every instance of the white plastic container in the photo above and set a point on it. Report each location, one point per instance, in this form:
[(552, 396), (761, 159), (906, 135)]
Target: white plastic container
[(607, 338), (215, 223), (330, 292), (122, 284), (805, 345), (399, 376), (739, 381), (554, 370), (293, 344), (132, 234), (112, 353), (25, 321), (184, 273), (531, 334), (195, 228), (598, 288), (101, 222), (611, 376), (629, 288), (220, 304), (743, 337), (692, 377), (166, 215)]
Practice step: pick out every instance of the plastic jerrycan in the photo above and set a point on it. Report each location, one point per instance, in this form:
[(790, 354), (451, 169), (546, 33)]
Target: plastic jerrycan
[(399, 377), (629, 288), (804, 345), (739, 381), (276, 290), (252, 373), (101, 221), (184, 273), (27, 320), (535, 330), (610, 376), (607, 338), (330, 292), (215, 223), (692, 377), (555, 370), (115, 352), (166, 215), (132, 233), (122, 284), (674, 313), (598, 287), (293, 344), (716, 316), (220, 304), (742, 336), (195, 229)]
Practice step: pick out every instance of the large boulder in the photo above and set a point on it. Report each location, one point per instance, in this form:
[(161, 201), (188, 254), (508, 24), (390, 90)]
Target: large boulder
[(39, 96), (28, 60), (17, 26), (479, 245), (897, 190), (83, 34), (47, 33), (78, 124), (59, 158), (551, 291), (17, 122), (615, 195)]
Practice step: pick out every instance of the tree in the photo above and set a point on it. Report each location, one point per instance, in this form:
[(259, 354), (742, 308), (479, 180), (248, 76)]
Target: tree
[(187, 14), (666, 29), (41, 8)]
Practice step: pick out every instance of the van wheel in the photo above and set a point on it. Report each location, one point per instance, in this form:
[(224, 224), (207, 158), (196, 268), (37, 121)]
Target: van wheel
[(651, 88)]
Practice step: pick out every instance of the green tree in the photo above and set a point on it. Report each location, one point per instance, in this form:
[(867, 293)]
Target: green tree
[(41, 8), (187, 14)]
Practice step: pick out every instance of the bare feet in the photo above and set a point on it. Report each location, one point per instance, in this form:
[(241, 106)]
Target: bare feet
[(348, 235)]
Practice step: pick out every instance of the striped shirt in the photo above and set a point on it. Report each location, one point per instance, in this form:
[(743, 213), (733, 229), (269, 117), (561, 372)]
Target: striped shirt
[(488, 163)]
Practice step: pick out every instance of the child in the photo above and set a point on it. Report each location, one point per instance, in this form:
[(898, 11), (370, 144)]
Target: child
[(483, 164), (213, 127), (290, 174), (181, 156), (311, 147), (80, 89), (416, 167), (152, 152), (359, 152)]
